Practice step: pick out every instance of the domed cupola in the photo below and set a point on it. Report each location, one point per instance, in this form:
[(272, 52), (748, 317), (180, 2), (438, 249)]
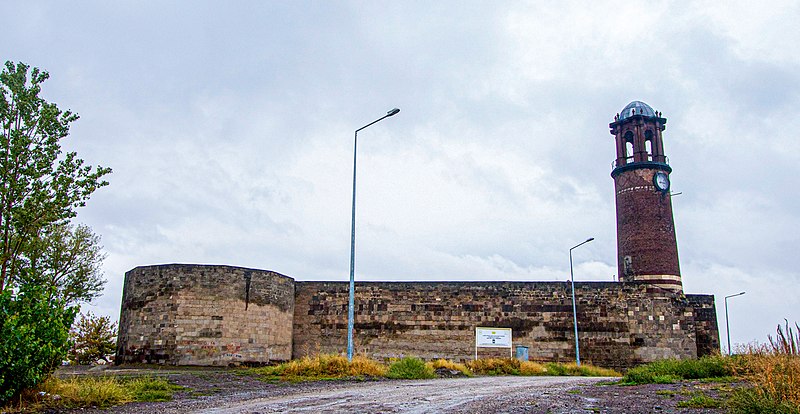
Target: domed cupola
[(637, 129)]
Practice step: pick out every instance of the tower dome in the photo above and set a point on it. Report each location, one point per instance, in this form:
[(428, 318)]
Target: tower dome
[(636, 108)]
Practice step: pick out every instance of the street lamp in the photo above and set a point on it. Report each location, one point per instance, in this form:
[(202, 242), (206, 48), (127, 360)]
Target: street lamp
[(353, 240), (574, 311), (728, 327)]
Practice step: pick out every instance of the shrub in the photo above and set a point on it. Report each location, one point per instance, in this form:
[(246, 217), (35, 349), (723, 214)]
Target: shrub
[(410, 368), (33, 338), (94, 338)]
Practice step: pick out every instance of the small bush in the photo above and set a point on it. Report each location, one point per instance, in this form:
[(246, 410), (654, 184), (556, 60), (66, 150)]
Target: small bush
[(410, 368), (34, 331)]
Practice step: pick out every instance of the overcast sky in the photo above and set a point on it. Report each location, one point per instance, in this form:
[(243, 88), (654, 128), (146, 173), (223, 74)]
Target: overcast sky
[(229, 127)]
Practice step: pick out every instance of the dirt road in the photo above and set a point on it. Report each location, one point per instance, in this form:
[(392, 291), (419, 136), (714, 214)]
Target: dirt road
[(230, 392), (465, 395)]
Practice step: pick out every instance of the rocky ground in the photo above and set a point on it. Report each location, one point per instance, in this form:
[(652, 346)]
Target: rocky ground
[(232, 391)]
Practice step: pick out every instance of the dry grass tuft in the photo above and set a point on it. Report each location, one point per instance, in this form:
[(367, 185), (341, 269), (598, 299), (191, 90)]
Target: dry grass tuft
[(447, 364), (494, 366), (326, 366), (529, 368), (774, 368)]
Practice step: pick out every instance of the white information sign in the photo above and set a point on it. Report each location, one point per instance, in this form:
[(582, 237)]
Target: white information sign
[(492, 338)]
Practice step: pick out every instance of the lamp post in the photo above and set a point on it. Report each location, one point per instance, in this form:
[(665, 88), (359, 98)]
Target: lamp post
[(728, 327), (353, 240), (574, 310)]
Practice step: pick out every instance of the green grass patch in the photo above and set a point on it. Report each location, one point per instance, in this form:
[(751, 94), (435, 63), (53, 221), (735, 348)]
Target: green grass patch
[(507, 366), (583, 370), (150, 389), (410, 368), (668, 371), (101, 392), (700, 400), (752, 400)]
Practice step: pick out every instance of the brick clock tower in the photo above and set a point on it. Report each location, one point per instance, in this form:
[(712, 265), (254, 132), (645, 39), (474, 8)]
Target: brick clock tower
[(646, 247)]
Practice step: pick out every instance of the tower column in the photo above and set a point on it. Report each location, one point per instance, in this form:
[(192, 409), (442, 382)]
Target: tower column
[(647, 249)]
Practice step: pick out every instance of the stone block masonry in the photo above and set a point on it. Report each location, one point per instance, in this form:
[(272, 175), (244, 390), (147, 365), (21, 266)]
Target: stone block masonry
[(221, 315), (205, 315), (620, 324)]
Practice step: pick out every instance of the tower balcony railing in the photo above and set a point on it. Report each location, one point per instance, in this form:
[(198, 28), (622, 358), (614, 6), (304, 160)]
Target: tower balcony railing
[(661, 159)]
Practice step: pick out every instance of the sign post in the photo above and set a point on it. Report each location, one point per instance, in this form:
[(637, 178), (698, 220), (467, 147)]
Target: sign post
[(493, 338)]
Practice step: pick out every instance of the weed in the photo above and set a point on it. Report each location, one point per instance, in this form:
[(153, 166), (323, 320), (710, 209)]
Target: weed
[(410, 368)]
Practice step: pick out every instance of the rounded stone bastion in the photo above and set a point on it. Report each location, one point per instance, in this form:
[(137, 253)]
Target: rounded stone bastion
[(181, 314)]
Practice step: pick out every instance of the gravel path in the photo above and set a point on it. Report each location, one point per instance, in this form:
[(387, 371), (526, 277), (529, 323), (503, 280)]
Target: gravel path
[(232, 392), (463, 395)]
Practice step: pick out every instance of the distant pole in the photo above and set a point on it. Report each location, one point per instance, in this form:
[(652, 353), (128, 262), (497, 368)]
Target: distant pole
[(728, 327), (353, 240), (574, 308)]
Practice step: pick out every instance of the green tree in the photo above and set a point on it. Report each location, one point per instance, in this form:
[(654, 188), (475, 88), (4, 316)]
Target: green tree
[(39, 185), (94, 338), (46, 264), (67, 258), (34, 337)]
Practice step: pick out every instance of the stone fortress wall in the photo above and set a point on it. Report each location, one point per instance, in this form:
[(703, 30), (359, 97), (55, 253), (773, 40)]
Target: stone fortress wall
[(205, 315), (221, 315)]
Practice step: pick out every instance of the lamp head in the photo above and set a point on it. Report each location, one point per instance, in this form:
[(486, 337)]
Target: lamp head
[(589, 239), (393, 112)]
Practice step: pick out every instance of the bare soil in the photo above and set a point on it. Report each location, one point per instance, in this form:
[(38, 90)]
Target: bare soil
[(226, 391)]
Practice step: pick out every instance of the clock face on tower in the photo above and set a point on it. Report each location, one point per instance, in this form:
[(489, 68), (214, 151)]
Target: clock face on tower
[(661, 181)]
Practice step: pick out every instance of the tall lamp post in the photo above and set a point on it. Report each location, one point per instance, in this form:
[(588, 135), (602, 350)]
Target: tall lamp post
[(728, 327), (574, 310), (353, 240)]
